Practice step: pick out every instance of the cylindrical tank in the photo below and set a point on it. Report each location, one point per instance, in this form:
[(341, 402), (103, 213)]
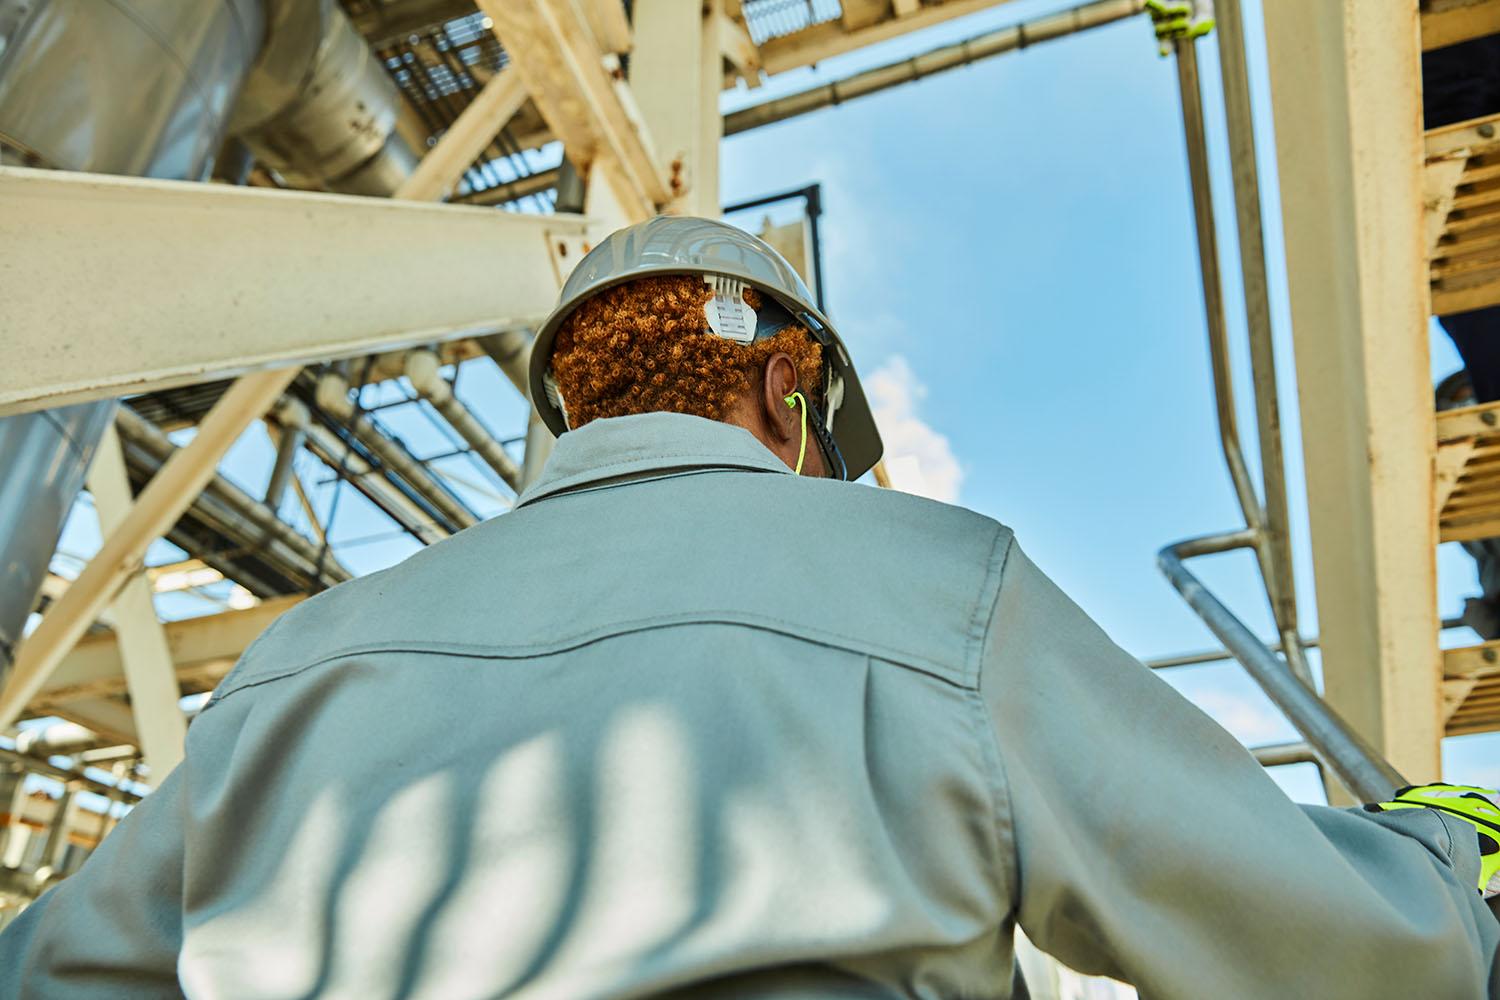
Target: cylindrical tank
[(319, 109), (140, 87)]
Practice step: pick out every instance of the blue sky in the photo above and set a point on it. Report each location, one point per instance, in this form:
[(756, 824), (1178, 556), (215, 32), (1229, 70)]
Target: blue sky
[(1019, 231), (1009, 250)]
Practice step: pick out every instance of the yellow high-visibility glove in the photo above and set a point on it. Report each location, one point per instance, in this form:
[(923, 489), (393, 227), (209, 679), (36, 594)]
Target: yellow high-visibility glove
[(1479, 807)]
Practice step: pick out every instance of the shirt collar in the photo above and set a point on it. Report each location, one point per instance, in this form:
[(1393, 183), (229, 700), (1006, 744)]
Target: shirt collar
[(646, 443)]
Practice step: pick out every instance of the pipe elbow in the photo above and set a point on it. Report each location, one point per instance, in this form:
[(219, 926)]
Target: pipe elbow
[(333, 394), (422, 370), (291, 413)]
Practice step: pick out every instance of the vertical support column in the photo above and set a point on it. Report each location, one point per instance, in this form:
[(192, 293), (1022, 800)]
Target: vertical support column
[(150, 674), (1345, 81), (539, 442), (676, 74), (12, 801)]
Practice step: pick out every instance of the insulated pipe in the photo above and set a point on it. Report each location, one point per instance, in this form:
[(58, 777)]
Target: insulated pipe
[(255, 520), (511, 351), (422, 370), (948, 57), (1342, 750), (74, 776), (333, 396), (319, 109), (246, 536), (58, 739), (335, 454), (281, 472)]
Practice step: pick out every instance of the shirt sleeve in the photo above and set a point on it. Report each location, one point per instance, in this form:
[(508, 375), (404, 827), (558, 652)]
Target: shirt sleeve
[(112, 930), (1151, 847)]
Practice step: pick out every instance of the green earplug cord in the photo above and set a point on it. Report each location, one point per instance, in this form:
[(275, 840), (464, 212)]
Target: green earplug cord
[(802, 449)]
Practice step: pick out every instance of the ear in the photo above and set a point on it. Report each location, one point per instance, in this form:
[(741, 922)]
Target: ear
[(778, 382)]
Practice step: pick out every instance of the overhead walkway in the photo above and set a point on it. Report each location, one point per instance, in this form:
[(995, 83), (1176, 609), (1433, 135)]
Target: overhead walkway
[(1462, 224), (1463, 214)]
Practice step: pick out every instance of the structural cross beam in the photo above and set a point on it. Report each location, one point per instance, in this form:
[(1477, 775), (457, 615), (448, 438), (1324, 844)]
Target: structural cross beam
[(157, 507), (552, 46), (116, 284)]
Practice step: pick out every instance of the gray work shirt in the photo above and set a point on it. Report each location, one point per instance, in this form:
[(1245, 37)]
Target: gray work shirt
[(686, 724)]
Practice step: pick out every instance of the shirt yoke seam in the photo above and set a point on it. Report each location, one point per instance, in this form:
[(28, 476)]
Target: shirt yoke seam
[(931, 668)]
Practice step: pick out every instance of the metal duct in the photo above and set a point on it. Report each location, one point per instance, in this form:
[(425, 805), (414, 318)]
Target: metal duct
[(124, 87), (319, 109), (45, 456)]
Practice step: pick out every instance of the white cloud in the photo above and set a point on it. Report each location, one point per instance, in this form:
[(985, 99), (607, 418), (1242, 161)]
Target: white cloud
[(918, 458), (1253, 720)]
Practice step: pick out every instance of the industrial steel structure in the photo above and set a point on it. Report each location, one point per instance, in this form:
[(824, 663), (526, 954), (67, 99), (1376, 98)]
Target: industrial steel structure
[(347, 153)]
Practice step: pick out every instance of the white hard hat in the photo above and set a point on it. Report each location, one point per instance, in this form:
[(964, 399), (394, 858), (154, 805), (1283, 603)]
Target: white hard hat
[(684, 245)]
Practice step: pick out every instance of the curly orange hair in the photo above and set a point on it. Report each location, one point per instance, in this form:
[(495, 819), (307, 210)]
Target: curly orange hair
[(642, 347)]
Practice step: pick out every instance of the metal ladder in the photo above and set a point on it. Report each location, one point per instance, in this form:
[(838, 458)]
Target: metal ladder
[(1287, 680)]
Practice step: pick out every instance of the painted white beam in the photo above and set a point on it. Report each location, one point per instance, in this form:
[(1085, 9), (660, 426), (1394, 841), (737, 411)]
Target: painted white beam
[(1448, 22), (738, 48), (832, 38), (465, 139), (553, 48), (116, 284), (1346, 85), (149, 675), (202, 651), (607, 21), (676, 73)]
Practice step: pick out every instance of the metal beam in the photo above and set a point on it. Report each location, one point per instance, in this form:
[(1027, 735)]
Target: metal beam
[(468, 137), (676, 73), (1010, 39), (383, 23), (159, 725), (1448, 22), (1346, 85), (521, 187), (554, 50), (116, 284), (169, 493), (202, 651), (824, 41), (738, 48), (610, 26)]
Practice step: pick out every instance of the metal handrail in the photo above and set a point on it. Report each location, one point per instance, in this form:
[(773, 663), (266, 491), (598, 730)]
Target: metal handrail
[(1287, 682), (1334, 741)]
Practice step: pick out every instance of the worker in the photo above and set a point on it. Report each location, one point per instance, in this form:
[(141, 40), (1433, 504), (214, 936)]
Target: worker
[(703, 718)]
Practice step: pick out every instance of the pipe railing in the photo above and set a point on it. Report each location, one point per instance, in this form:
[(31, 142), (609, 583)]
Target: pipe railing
[(1287, 679), (1337, 745)]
